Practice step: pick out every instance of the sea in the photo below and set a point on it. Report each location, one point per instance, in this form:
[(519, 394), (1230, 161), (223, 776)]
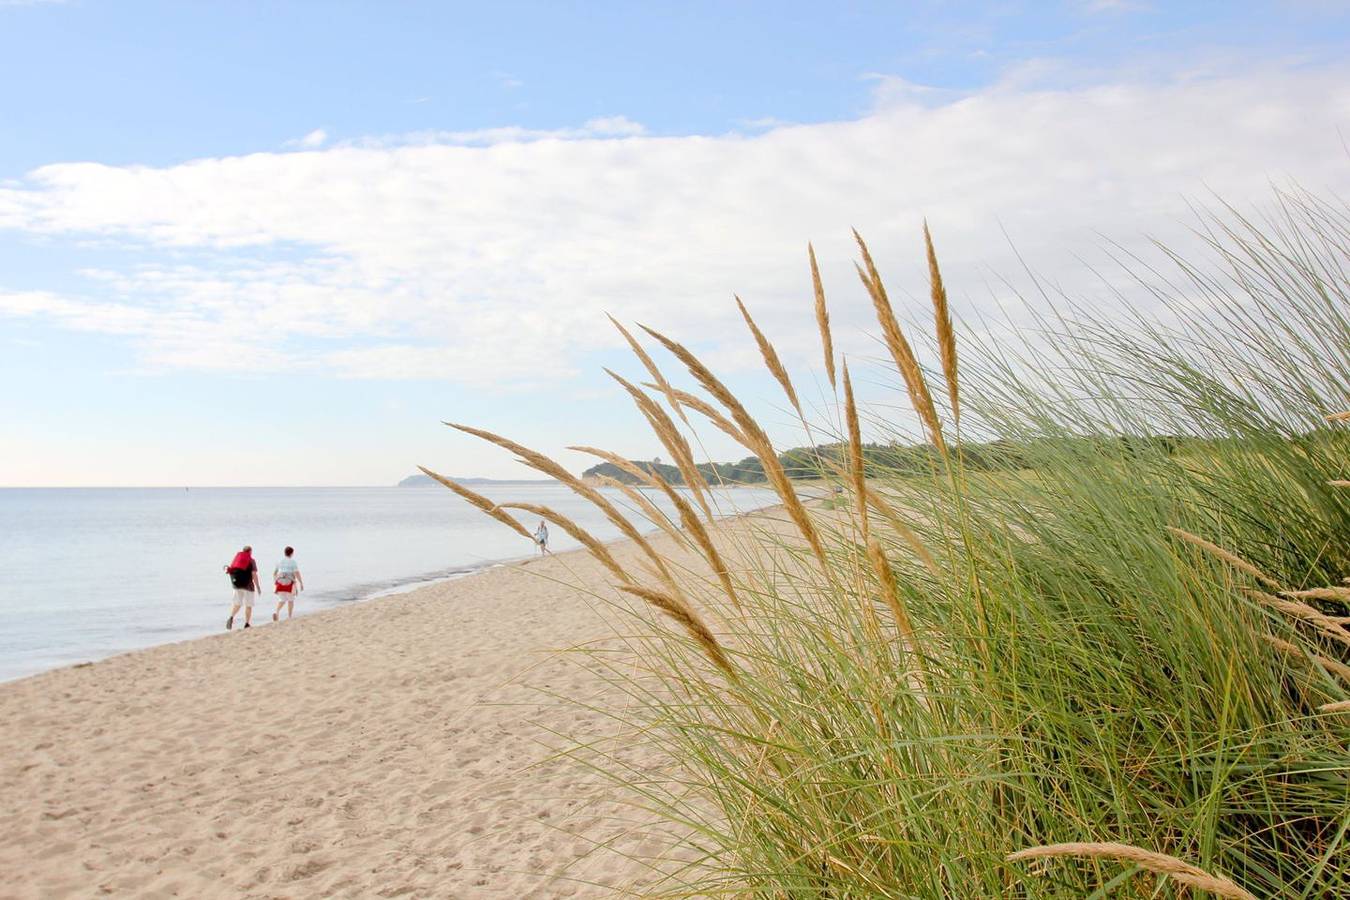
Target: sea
[(92, 572)]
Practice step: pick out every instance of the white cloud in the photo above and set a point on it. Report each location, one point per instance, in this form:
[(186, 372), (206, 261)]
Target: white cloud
[(891, 90), (763, 123), (603, 127), (312, 141), (1115, 6), (491, 256)]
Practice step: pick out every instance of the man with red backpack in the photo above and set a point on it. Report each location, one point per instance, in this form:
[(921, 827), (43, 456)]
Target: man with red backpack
[(243, 572)]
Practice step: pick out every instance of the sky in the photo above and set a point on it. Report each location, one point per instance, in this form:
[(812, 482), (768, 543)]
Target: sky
[(280, 243)]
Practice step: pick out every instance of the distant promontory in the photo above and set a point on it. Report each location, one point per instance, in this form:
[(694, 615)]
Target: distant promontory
[(420, 480)]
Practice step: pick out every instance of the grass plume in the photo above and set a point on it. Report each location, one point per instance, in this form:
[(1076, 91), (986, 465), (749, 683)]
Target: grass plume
[(689, 620), (1226, 556), (652, 369), (946, 334), (1339, 669), (1325, 624), (920, 398), (671, 439), (758, 441), (649, 509), (856, 463), (541, 463), (579, 534), (822, 316), (770, 357), (483, 503), (709, 412), (889, 591), (1160, 863), (694, 528)]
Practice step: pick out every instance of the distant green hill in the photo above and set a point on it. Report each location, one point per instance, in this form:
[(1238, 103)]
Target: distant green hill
[(893, 459)]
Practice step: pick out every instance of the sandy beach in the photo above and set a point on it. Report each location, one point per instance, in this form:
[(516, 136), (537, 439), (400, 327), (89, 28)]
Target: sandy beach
[(401, 747)]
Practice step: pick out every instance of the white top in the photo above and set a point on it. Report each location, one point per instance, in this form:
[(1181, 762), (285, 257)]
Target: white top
[(286, 569)]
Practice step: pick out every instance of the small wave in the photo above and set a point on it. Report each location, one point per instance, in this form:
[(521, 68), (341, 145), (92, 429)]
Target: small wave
[(359, 593)]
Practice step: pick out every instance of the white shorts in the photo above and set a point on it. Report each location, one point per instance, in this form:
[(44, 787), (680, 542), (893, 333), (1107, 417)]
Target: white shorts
[(243, 597)]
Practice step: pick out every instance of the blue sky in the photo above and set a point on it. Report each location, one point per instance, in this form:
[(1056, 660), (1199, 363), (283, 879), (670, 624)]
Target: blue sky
[(267, 243)]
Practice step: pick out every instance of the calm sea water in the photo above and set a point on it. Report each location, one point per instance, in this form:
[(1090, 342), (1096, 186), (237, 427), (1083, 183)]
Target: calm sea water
[(93, 572)]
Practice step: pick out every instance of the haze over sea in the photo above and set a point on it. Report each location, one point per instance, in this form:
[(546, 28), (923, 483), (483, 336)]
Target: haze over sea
[(96, 571)]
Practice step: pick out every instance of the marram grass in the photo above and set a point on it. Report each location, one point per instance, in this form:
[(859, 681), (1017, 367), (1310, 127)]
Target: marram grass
[(1114, 667)]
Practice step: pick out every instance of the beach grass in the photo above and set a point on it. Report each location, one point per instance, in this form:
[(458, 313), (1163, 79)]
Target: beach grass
[(1118, 668)]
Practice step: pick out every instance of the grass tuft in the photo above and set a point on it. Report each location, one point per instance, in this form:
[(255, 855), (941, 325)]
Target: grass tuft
[(1119, 640)]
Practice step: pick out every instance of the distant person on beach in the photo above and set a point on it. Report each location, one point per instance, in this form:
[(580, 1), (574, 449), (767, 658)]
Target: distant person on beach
[(541, 537), (243, 572), (288, 582)]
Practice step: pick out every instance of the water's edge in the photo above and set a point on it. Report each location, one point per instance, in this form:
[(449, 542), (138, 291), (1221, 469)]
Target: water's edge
[(336, 599)]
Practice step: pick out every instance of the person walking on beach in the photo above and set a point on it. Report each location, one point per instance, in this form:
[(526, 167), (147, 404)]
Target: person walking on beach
[(541, 537), (288, 583), (243, 572)]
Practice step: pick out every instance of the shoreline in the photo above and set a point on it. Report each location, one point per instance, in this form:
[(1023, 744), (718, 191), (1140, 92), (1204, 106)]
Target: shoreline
[(310, 604), (413, 746), (327, 603)]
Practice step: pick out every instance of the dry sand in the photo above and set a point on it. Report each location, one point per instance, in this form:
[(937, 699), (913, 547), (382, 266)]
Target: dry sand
[(396, 748)]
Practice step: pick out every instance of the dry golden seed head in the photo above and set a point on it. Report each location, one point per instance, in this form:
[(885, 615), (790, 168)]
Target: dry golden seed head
[(1218, 552), (905, 361), (1338, 706), (581, 535), (946, 335), (1336, 594), (857, 468), (701, 537), (902, 528), (1299, 610), (1180, 871), (1339, 417), (770, 356), (889, 591), (649, 509), (687, 619), (822, 316), (481, 502), (531, 458), (660, 379), (712, 385), (618, 462), (757, 442), (542, 463), (1339, 483), (649, 478), (1336, 668), (674, 442), (709, 412)]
